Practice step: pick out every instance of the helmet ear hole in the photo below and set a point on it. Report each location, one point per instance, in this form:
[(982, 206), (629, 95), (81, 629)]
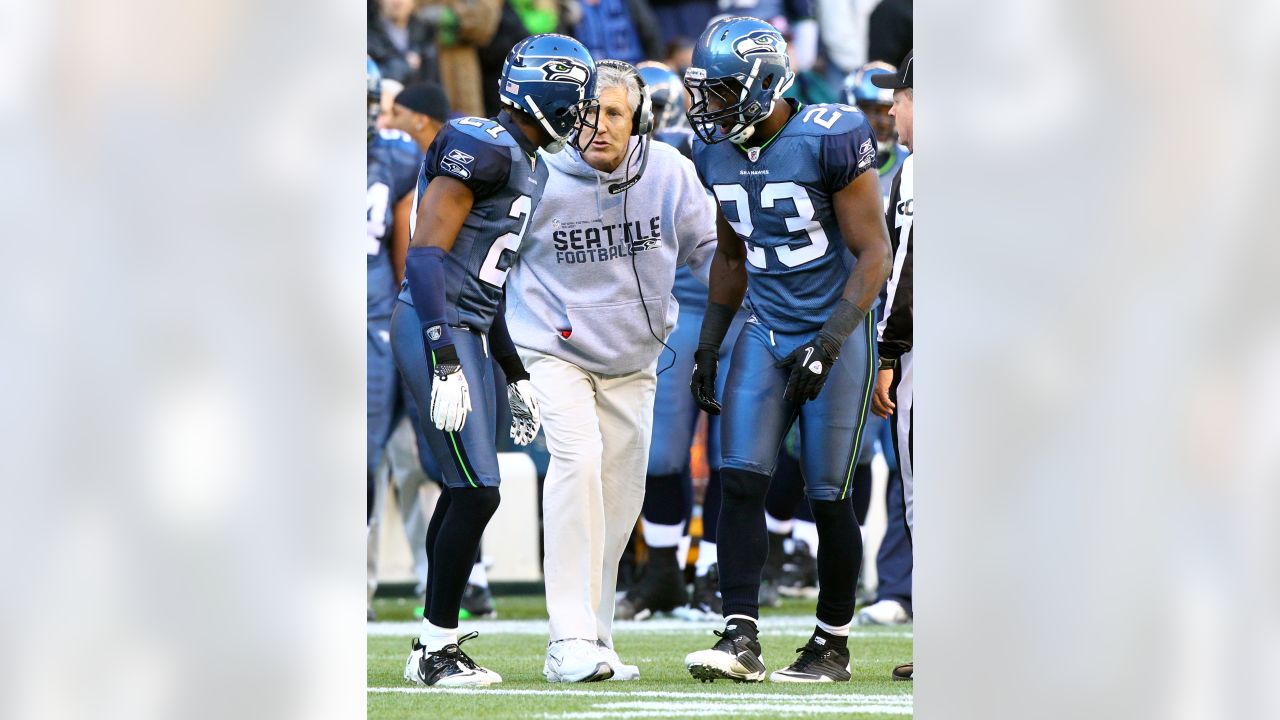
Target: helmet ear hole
[(768, 81)]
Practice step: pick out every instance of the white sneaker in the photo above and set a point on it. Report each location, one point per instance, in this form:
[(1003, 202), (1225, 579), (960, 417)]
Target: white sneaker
[(621, 671), (885, 612), (448, 667), (575, 660)]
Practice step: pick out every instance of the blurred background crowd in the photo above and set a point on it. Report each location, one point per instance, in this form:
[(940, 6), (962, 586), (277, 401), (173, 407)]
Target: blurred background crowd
[(440, 59)]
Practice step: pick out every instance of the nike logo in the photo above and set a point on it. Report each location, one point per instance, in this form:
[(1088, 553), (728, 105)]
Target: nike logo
[(808, 353)]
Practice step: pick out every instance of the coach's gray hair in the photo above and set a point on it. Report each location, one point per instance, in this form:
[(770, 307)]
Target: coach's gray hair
[(609, 76)]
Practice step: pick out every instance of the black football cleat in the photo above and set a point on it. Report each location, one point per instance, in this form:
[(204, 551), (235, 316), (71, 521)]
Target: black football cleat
[(817, 663), (735, 656)]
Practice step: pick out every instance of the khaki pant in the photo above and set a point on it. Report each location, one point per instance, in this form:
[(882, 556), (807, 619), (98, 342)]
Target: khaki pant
[(597, 429)]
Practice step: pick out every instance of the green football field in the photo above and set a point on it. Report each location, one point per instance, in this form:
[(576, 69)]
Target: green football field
[(514, 646)]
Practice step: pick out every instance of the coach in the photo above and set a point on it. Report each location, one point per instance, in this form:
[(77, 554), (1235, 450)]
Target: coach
[(589, 305)]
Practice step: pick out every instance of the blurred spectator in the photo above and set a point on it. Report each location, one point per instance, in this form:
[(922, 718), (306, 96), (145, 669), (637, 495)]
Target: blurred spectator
[(420, 111), (390, 89), (680, 53), (465, 27), (403, 45), (890, 37), (519, 19), (844, 32), (679, 19), (625, 30)]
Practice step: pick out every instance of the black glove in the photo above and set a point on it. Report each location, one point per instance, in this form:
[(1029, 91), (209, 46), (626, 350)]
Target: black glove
[(703, 385), (810, 364)]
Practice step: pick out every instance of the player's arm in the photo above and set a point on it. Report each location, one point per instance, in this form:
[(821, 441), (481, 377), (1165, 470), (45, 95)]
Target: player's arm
[(728, 284), (400, 234), (859, 208), (444, 208)]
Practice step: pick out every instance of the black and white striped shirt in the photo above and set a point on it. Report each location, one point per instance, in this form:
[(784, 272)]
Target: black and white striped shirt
[(894, 330)]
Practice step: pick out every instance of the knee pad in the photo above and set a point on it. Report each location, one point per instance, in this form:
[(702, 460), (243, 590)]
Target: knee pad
[(479, 503), (743, 484)]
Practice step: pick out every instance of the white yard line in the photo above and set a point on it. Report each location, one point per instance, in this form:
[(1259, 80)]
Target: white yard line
[(786, 625), (904, 699)]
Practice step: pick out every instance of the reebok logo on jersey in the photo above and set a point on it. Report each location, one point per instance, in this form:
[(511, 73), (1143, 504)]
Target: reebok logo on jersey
[(460, 156), (433, 333), (455, 169)]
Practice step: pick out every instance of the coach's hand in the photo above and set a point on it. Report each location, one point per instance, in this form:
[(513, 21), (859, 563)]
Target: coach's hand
[(525, 419), (450, 396), (703, 385), (880, 403), (810, 365)]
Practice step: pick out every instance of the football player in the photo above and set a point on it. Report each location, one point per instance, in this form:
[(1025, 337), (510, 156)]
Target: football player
[(392, 170), (480, 183), (668, 485), (801, 227)]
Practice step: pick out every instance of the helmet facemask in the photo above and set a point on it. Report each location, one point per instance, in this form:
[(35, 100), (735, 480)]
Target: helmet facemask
[(728, 108)]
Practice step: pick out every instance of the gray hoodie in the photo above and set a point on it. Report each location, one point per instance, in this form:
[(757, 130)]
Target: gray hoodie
[(572, 292)]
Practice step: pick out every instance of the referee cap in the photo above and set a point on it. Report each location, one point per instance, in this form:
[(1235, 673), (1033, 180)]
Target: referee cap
[(901, 79)]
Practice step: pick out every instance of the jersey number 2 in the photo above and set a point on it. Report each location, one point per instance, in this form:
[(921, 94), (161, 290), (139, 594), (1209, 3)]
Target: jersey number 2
[(801, 222), (503, 250)]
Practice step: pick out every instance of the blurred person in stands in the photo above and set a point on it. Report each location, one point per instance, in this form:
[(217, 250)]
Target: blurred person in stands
[(420, 111), (889, 32), (625, 30), (894, 393), (620, 214), (679, 54), (678, 19), (403, 45), (892, 602), (518, 20), (464, 27)]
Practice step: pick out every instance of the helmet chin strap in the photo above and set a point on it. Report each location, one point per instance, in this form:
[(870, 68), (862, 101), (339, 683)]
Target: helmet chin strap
[(745, 133)]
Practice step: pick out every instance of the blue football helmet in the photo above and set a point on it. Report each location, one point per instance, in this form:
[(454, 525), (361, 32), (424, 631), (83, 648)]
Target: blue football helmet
[(739, 71), (373, 78), (552, 78), (667, 93), (874, 102)]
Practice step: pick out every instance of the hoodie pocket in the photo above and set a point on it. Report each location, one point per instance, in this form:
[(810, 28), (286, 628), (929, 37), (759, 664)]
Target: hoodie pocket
[(614, 338)]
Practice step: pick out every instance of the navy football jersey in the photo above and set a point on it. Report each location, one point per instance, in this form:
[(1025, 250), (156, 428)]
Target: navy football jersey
[(392, 171), (500, 165), (779, 203)]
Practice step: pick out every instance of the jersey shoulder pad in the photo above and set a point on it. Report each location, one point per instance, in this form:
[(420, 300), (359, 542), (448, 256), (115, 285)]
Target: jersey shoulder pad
[(830, 119), (480, 163), (484, 129)]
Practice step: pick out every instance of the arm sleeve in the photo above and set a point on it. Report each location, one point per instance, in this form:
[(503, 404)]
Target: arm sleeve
[(846, 155), (503, 349), (480, 166)]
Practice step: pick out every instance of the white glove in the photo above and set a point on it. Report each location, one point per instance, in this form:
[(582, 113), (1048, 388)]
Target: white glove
[(450, 398), (525, 420)]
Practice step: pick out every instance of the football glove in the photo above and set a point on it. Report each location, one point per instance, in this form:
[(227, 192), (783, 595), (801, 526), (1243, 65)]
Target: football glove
[(810, 365), (703, 385), (450, 396), (525, 419)]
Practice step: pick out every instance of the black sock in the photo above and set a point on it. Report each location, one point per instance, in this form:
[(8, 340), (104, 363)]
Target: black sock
[(839, 642), (663, 500), (839, 559), (745, 540), (711, 508), (743, 626), (433, 531), (455, 550), (860, 491)]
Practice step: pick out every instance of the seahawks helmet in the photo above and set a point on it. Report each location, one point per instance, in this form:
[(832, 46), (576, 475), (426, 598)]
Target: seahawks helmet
[(667, 94), (739, 71), (373, 78), (552, 79), (873, 101)]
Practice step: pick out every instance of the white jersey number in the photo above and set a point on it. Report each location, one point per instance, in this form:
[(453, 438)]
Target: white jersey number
[(802, 222), (506, 246), (376, 204)]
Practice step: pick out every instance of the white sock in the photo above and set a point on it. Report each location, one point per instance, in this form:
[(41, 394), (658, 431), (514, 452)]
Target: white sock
[(434, 638), (837, 630), (808, 532), (776, 526), (707, 557), (478, 575), (682, 551), (662, 536)]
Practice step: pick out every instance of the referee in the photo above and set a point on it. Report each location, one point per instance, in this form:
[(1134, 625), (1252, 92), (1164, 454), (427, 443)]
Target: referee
[(893, 393)]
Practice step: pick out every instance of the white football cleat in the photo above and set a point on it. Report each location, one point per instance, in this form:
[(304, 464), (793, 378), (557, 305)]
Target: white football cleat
[(621, 671), (885, 612), (447, 667), (575, 660)]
